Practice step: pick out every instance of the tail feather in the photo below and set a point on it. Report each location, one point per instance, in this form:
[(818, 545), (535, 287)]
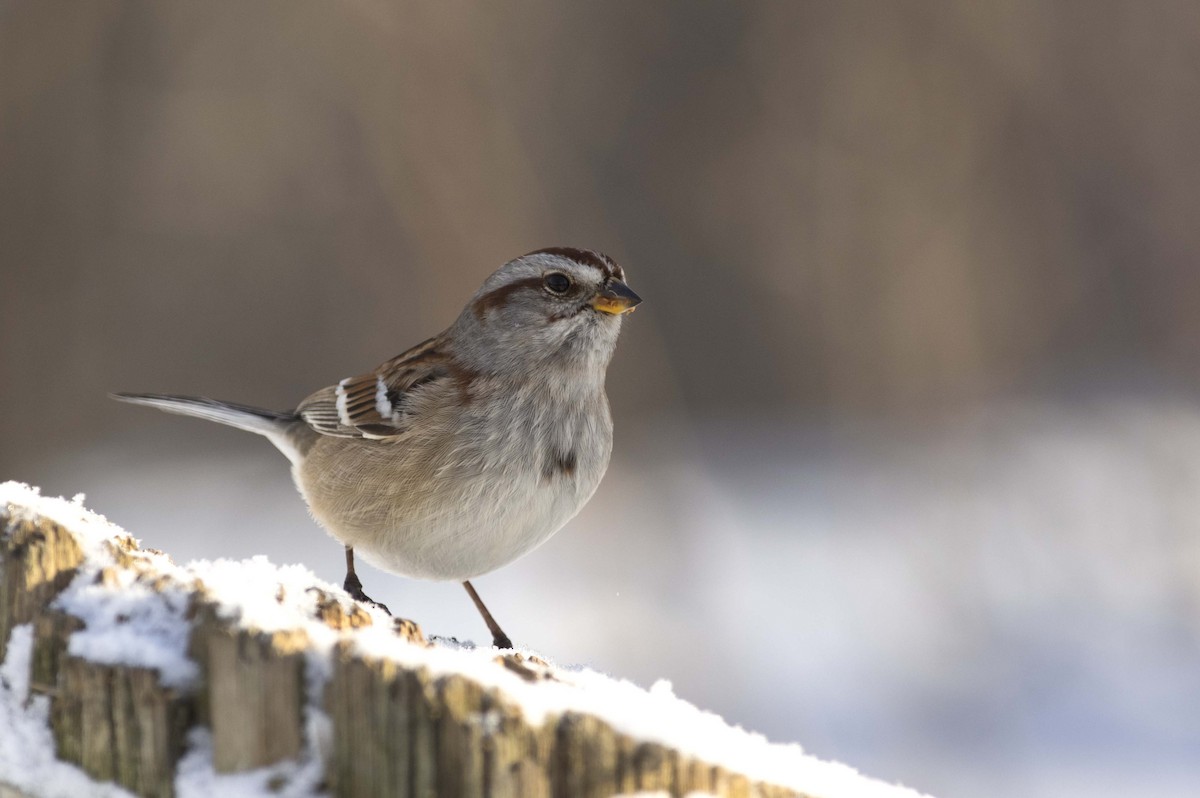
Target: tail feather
[(274, 424)]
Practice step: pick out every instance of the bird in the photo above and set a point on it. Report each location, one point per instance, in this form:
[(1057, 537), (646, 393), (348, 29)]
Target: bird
[(473, 447)]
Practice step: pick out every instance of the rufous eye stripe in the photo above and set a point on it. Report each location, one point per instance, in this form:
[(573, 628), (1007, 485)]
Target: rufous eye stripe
[(497, 297)]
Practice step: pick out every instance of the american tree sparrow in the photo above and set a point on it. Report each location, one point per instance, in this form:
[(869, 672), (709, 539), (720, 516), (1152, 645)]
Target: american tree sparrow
[(473, 447)]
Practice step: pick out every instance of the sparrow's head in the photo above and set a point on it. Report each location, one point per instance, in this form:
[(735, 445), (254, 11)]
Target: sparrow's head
[(558, 305)]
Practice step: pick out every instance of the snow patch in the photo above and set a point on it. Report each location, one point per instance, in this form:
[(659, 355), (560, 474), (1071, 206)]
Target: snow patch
[(130, 622), (91, 530), (132, 616)]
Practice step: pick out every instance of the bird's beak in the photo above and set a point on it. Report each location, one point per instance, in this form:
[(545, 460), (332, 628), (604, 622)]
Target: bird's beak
[(616, 298)]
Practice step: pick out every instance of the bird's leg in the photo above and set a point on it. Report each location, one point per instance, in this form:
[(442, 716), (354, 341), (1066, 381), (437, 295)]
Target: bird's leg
[(499, 639), (353, 586)]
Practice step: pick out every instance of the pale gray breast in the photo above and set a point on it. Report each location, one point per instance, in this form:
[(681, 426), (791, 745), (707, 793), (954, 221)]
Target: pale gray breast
[(470, 458), (559, 429)]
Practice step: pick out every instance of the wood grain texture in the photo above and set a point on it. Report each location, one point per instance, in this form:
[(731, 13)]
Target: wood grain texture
[(120, 724), (51, 630), (253, 692), (401, 732), (37, 560)]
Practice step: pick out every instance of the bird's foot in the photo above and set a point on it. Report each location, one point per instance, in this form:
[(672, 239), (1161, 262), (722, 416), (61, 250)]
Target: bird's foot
[(353, 586), (499, 639)]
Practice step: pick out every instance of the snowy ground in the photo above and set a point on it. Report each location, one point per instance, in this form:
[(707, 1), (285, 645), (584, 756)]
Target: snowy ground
[(1008, 605)]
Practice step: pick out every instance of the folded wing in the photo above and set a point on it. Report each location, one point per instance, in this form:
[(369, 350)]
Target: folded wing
[(376, 405)]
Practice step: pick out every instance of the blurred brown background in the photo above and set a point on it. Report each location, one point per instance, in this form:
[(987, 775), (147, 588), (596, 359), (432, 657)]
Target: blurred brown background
[(870, 236)]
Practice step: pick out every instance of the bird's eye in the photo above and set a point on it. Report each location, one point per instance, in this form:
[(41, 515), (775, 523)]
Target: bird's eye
[(557, 283)]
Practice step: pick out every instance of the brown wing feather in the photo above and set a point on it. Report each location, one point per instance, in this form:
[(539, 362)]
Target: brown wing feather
[(373, 405)]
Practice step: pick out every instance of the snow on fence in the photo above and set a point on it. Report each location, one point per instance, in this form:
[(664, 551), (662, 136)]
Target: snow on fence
[(245, 678)]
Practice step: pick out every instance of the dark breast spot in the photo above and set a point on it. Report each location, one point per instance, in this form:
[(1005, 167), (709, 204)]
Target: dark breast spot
[(558, 464)]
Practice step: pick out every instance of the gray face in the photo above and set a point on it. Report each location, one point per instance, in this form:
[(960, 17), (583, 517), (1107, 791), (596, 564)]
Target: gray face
[(555, 308)]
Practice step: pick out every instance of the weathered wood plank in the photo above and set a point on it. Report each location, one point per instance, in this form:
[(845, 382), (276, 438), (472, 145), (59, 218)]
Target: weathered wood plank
[(519, 755), (369, 707), (694, 776), (38, 559), (396, 730), (585, 758), (405, 733), (51, 632), (120, 724), (459, 737), (150, 726), (253, 691)]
